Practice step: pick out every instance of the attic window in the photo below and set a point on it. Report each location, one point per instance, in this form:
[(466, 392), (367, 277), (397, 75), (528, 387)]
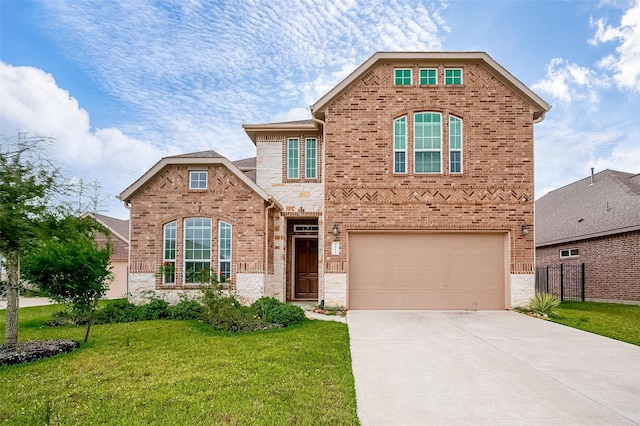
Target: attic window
[(565, 253), (453, 76), (198, 179), (428, 76), (402, 76)]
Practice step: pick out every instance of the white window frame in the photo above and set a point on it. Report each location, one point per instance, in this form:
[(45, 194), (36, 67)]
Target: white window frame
[(192, 173), (395, 81), (293, 143), (453, 118), (397, 150), (461, 76), (421, 150), (570, 253), (228, 272), (202, 260), (311, 162), (168, 227), (420, 76)]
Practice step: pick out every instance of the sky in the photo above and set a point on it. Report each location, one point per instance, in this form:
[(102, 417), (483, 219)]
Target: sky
[(121, 84)]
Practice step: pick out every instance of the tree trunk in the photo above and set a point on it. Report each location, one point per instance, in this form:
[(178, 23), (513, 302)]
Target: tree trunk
[(13, 293)]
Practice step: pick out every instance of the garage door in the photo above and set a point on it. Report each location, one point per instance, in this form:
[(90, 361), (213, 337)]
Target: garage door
[(449, 270)]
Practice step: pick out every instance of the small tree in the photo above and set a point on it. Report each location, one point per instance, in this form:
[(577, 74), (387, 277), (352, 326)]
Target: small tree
[(70, 267), (27, 184)]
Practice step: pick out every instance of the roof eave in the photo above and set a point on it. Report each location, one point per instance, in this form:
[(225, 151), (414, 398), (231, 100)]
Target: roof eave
[(541, 107), (126, 195), (589, 236), (252, 130)]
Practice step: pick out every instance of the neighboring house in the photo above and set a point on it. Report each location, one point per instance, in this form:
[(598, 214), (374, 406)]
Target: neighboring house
[(410, 188), (595, 221), (119, 230)]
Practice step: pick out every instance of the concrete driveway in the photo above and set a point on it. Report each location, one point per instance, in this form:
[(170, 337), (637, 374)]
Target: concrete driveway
[(488, 368)]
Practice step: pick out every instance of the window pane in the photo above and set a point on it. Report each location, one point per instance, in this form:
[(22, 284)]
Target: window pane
[(197, 252), (293, 159), (399, 145), (429, 76), (224, 251), (400, 164), (311, 159), (455, 166), (453, 76), (428, 162), (402, 76), (198, 180)]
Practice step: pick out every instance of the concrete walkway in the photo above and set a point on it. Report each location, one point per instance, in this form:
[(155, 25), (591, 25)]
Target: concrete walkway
[(26, 302), (488, 368)]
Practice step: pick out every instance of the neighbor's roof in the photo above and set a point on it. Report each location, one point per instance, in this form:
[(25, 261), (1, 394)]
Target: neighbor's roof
[(118, 226), (453, 58), (242, 170), (583, 210)]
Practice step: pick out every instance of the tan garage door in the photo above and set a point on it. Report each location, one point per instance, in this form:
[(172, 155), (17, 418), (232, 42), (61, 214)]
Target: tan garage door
[(431, 270)]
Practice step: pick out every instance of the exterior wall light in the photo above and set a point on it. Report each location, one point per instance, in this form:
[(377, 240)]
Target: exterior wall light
[(335, 229), (525, 229)]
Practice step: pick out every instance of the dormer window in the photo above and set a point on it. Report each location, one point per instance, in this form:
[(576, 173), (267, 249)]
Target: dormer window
[(198, 179)]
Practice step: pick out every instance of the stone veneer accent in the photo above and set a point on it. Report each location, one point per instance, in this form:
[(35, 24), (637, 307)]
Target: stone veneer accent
[(523, 287), (335, 289)]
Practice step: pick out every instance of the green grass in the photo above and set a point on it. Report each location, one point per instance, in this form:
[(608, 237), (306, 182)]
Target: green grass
[(180, 372), (620, 322)]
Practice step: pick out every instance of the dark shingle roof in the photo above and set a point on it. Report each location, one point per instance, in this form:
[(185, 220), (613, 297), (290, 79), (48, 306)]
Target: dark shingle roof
[(118, 225), (200, 154), (609, 205), (245, 163)]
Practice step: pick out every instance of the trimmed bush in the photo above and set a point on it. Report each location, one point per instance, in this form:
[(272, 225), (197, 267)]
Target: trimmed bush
[(263, 306), (155, 309), (187, 310), (118, 311), (273, 311)]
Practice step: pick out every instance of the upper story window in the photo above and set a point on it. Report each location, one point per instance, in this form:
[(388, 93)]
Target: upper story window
[(293, 158), (427, 142), (198, 179), (400, 145), (402, 76), (169, 253), (429, 76), (455, 144), (569, 253), (224, 250), (453, 76), (197, 249), (311, 158)]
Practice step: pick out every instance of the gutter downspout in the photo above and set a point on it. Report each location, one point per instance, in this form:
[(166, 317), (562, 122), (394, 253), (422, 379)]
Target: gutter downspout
[(266, 240), (324, 183), (128, 207)]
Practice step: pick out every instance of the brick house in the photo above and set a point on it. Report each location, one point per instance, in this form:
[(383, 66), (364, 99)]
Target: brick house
[(595, 221), (410, 188)]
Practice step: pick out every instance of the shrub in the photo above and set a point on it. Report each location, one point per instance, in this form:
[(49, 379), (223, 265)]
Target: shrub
[(155, 309), (187, 310), (286, 315), (543, 304), (118, 311), (273, 311)]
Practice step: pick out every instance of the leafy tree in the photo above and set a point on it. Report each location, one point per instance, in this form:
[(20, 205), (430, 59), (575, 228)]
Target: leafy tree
[(27, 185), (70, 267)]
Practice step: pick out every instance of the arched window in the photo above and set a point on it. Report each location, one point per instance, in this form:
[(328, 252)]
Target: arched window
[(224, 250), (400, 145), (455, 144), (169, 254)]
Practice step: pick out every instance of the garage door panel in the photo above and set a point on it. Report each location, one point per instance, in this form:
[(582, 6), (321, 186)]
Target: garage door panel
[(426, 271)]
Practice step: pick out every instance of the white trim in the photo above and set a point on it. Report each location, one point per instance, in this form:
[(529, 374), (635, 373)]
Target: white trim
[(461, 149), (454, 69), (427, 69), (306, 158), (184, 247), (569, 256), (406, 160), (175, 249), (297, 142), (206, 179), (403, 69), (230, 260), (415, 150)]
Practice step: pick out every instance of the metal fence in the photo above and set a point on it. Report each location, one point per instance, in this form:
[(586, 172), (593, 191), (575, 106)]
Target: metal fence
[(564, 281)]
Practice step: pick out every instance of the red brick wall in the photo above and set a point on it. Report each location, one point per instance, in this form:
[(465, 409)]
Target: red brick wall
[(362, 192), (167, 198), (612, 265)]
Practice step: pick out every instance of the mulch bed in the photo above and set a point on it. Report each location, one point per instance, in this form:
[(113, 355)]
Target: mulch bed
[(34, 350)]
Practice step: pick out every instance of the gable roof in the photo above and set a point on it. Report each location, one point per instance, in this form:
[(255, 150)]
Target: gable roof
[(609, 205), (118, 227), (539, 105), (209, 157)]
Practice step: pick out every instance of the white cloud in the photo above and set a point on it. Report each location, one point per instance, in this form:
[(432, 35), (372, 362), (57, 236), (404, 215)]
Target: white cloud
[(567, 81), (33, 102), (625, 64)]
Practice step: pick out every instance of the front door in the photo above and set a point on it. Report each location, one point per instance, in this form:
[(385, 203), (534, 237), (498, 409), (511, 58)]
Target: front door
[(306, 268)]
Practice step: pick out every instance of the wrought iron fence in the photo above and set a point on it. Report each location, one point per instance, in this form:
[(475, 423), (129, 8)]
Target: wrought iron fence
[(563, 281)]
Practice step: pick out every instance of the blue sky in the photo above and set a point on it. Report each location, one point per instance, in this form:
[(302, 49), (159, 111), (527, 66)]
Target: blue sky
[(121, 84)]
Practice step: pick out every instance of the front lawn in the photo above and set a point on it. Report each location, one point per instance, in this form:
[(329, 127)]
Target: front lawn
[(621, 322), (180, 372)]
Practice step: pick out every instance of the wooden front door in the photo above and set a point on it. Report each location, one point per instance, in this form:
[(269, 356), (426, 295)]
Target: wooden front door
[(306, 268)]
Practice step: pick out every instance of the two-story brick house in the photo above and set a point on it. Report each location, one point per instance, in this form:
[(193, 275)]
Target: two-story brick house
[(410, 188)]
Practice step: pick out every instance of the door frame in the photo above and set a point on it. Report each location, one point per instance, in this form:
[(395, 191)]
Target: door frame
[(293, 263)]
